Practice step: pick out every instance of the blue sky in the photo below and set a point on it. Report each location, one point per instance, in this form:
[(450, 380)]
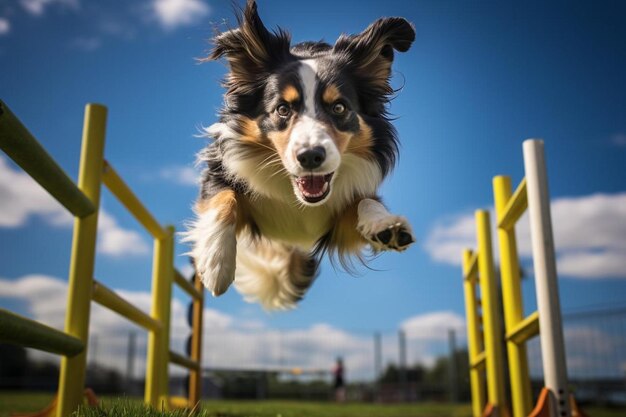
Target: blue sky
[(480, 78)]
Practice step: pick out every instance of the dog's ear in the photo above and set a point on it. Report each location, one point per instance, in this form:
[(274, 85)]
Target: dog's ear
[(251, 50), (370, 53)]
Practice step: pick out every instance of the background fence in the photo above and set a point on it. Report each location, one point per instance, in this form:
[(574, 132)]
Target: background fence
[(296, 363)]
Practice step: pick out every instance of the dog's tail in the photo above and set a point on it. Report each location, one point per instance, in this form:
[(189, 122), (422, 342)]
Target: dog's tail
[(274, 275)]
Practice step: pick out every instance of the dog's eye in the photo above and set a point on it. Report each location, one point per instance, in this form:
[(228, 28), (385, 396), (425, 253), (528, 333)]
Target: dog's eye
[(339, 108), (283, 110)]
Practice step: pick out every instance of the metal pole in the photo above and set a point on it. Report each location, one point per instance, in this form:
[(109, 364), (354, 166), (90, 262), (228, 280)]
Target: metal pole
[(474, 336), (94, 350), (130, 359), (15, 329), (72, 372), (23, 148), (491, 314), (377, 362), (402, 361), (156, 392), (521, 397), (195, 376), (378, 355), (548, 301), (454, 396)]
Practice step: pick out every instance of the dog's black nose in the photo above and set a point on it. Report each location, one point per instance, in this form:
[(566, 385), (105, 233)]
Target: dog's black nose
[(311, 158)]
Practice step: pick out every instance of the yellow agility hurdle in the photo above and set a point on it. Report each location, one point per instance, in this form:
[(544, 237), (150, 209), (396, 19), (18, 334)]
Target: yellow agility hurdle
[(484, 346), (83, 202), (555, 399)]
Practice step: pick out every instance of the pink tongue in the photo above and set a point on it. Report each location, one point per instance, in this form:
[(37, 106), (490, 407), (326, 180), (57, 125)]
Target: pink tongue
[(312, 184)]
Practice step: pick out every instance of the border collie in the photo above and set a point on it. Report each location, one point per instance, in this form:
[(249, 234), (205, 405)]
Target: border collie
[(302, 144)]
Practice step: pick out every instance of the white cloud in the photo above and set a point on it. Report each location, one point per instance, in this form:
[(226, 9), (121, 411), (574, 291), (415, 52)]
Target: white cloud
[(5, 26), (46, 298), (37, 7), (588, 231), (433, 325), (447, 239), (231, 342), (427, 335), (44, 294), (116, 241), (171, 14), (182, 175), (21, 198)]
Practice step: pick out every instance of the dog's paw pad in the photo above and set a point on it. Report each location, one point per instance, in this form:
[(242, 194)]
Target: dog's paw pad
[(388, 233), (385, 236), (405, 238)]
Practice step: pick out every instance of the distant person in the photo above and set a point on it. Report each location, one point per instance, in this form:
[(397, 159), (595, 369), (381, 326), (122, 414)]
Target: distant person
[(339, 385)]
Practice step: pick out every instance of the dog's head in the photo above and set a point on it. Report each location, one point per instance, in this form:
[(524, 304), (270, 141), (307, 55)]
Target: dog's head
[(318, 107)]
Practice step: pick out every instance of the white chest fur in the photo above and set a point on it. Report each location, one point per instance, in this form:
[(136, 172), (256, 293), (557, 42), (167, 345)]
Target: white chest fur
[(290, 223)]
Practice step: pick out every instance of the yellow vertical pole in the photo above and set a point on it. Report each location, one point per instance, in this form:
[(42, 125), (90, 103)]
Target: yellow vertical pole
[(491, 315), (521, 397), (474, 336), (156, 392), (195, 377), (72, 373)]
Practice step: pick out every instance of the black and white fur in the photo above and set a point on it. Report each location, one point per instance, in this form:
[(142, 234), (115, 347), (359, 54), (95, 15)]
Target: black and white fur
[(301, 147)]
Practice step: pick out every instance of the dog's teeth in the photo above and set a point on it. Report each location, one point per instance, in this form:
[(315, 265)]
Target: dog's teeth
[(325, 187)]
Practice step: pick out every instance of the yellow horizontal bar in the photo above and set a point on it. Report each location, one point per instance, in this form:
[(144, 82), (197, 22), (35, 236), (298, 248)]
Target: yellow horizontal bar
[(109, 299), (126, 196), (515, 207), (186, 286), (472, 269), (20, 145), (184, 361), (18, 330), (479, 361), (525, 329)]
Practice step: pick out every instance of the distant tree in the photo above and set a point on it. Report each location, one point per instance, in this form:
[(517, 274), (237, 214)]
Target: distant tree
[(440, 373), (415, 373), (104, 380), (13, 366), (17, 371)]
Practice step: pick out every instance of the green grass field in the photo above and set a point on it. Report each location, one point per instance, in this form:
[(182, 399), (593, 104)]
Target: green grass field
[(21, 402)]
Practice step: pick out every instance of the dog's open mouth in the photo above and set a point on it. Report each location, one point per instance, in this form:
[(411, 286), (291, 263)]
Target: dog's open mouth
[(314, 188)]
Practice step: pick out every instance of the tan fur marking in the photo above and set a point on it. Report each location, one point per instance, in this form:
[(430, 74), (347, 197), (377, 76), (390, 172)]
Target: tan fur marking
[(341, 139), (280, 139), (331, 94), (362, 143), (359, 144), (202, 206), (250, 130), (225, 202), (290, 94), (346, 240)]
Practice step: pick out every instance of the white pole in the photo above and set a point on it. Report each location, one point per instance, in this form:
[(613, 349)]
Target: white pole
[(552, 343)]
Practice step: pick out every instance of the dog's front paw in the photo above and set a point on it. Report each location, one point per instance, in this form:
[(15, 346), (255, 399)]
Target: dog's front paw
[(383, 230), (387, 233), (214, 253)]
